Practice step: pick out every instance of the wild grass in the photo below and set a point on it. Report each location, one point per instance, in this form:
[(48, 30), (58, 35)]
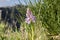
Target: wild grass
[(27, 32), (33, 31)]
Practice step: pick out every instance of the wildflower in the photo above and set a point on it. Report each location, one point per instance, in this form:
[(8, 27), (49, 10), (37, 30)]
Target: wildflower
[(29, 17)]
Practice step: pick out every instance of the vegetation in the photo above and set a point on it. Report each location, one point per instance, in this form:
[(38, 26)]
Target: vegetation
[(46, 26)]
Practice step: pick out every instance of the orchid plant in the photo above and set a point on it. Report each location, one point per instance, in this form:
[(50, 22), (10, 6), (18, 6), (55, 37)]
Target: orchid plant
[(29, 17)]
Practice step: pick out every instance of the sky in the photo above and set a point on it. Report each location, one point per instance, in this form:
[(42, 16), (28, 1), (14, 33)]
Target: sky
[(4, 3)]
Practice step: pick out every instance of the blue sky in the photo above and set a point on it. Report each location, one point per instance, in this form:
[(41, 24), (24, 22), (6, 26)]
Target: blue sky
[(4, 3), (9, 2)]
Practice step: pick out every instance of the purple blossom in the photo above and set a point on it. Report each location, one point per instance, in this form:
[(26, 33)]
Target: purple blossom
[(30, 18)]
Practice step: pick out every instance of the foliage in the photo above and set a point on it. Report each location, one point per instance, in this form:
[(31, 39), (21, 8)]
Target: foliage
[(48, 12), (46, 27)]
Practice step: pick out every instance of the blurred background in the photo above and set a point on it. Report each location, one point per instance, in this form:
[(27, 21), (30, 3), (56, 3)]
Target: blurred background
[(13, 17)]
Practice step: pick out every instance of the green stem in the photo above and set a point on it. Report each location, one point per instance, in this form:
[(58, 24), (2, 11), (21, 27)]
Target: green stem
[(32, 33)]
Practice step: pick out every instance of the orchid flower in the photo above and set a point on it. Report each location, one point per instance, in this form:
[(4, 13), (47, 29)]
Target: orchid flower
[(29, 17)]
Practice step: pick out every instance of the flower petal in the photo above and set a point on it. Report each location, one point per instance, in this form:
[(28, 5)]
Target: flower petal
[(27, 20)]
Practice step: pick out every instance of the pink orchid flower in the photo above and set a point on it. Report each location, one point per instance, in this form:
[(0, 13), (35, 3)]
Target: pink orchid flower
[(30, 18)]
